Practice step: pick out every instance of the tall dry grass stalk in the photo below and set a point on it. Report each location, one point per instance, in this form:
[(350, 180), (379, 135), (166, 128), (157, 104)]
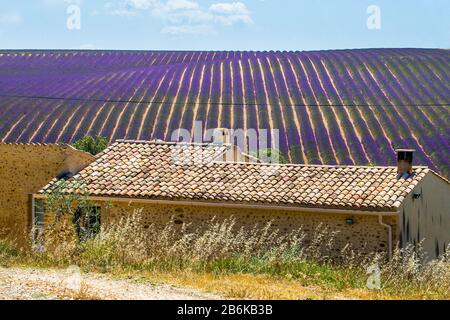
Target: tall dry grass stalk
[(226, 248)]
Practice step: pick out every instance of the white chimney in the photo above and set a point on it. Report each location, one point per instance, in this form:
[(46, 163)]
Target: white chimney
[(221, 136)]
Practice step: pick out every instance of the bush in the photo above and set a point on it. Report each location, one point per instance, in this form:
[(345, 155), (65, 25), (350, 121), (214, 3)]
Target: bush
[(91, 145), (8, 249), (270, 155)]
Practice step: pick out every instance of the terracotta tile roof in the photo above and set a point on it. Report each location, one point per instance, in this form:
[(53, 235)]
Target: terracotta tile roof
[(164, 171)]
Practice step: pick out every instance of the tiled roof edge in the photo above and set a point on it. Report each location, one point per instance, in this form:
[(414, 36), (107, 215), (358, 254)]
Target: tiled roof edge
[(36, 144), (281, 206), (317, 165), (161, 142)]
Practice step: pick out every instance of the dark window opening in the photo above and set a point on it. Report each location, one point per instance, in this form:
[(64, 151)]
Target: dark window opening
[(87, 222)]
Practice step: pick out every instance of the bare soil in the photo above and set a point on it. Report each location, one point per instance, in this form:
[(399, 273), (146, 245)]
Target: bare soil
[(35, 284)]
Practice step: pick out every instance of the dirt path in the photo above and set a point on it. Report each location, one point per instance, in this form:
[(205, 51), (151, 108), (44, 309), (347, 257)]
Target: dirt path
[(26, 284)]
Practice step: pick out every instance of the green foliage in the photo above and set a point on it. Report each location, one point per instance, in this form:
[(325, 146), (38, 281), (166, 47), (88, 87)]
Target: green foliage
[(81, 211), (8, 249), (270, 155), (92, 145)]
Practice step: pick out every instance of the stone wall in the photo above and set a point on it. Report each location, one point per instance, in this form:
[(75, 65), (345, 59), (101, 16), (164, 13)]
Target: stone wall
[(24, 170), (365, 234)]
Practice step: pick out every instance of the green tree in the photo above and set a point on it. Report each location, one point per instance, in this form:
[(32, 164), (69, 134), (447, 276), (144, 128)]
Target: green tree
[(270, 155), (92, 145)]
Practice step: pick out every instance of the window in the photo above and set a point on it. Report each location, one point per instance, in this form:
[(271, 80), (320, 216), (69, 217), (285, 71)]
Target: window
[(39, 212), (38, 222), (87, 222)]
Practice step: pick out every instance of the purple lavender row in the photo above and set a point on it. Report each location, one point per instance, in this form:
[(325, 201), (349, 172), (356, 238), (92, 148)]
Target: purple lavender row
[(375, 96), (320, 132), (29, 119), (278, 109), (342, 76), (422, 120), (394, 111), (288, 111), (333, 112), (305, 131)]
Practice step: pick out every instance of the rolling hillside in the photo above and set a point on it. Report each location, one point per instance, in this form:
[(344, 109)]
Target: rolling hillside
[(332, 107)]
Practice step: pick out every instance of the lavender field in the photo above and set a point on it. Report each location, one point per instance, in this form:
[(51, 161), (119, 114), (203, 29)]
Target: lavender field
[(331, 107)]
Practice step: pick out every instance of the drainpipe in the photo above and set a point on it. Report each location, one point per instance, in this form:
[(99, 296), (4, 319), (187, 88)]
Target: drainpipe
[(389, 228)]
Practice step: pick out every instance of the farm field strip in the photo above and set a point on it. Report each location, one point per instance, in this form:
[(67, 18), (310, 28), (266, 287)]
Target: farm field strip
[(331, 107)]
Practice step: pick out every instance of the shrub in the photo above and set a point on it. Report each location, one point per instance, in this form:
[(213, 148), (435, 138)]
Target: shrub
[(270, 155), (8, 249), (91, 145)]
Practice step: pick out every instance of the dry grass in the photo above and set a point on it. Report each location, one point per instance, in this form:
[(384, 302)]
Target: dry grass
[(238, 263), (238, 286), (84, 293), (261, 287)]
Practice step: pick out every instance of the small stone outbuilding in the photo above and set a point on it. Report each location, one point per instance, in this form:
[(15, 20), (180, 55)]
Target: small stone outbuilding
[(372, 208)]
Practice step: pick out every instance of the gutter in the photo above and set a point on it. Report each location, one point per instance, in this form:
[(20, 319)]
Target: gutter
[(389, 228), (237, 205)]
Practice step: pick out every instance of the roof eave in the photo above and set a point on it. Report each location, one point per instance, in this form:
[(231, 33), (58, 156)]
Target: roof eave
[(349, 210)]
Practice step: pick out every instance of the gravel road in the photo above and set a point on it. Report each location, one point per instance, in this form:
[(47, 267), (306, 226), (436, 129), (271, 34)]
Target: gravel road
[(34, 284)]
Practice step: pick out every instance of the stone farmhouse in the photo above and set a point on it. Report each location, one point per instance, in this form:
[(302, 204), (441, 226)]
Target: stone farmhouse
[(372, 208)]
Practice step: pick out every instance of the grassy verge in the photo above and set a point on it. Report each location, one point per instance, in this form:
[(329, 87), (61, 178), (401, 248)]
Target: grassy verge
[(238, 264), (259, 286)]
